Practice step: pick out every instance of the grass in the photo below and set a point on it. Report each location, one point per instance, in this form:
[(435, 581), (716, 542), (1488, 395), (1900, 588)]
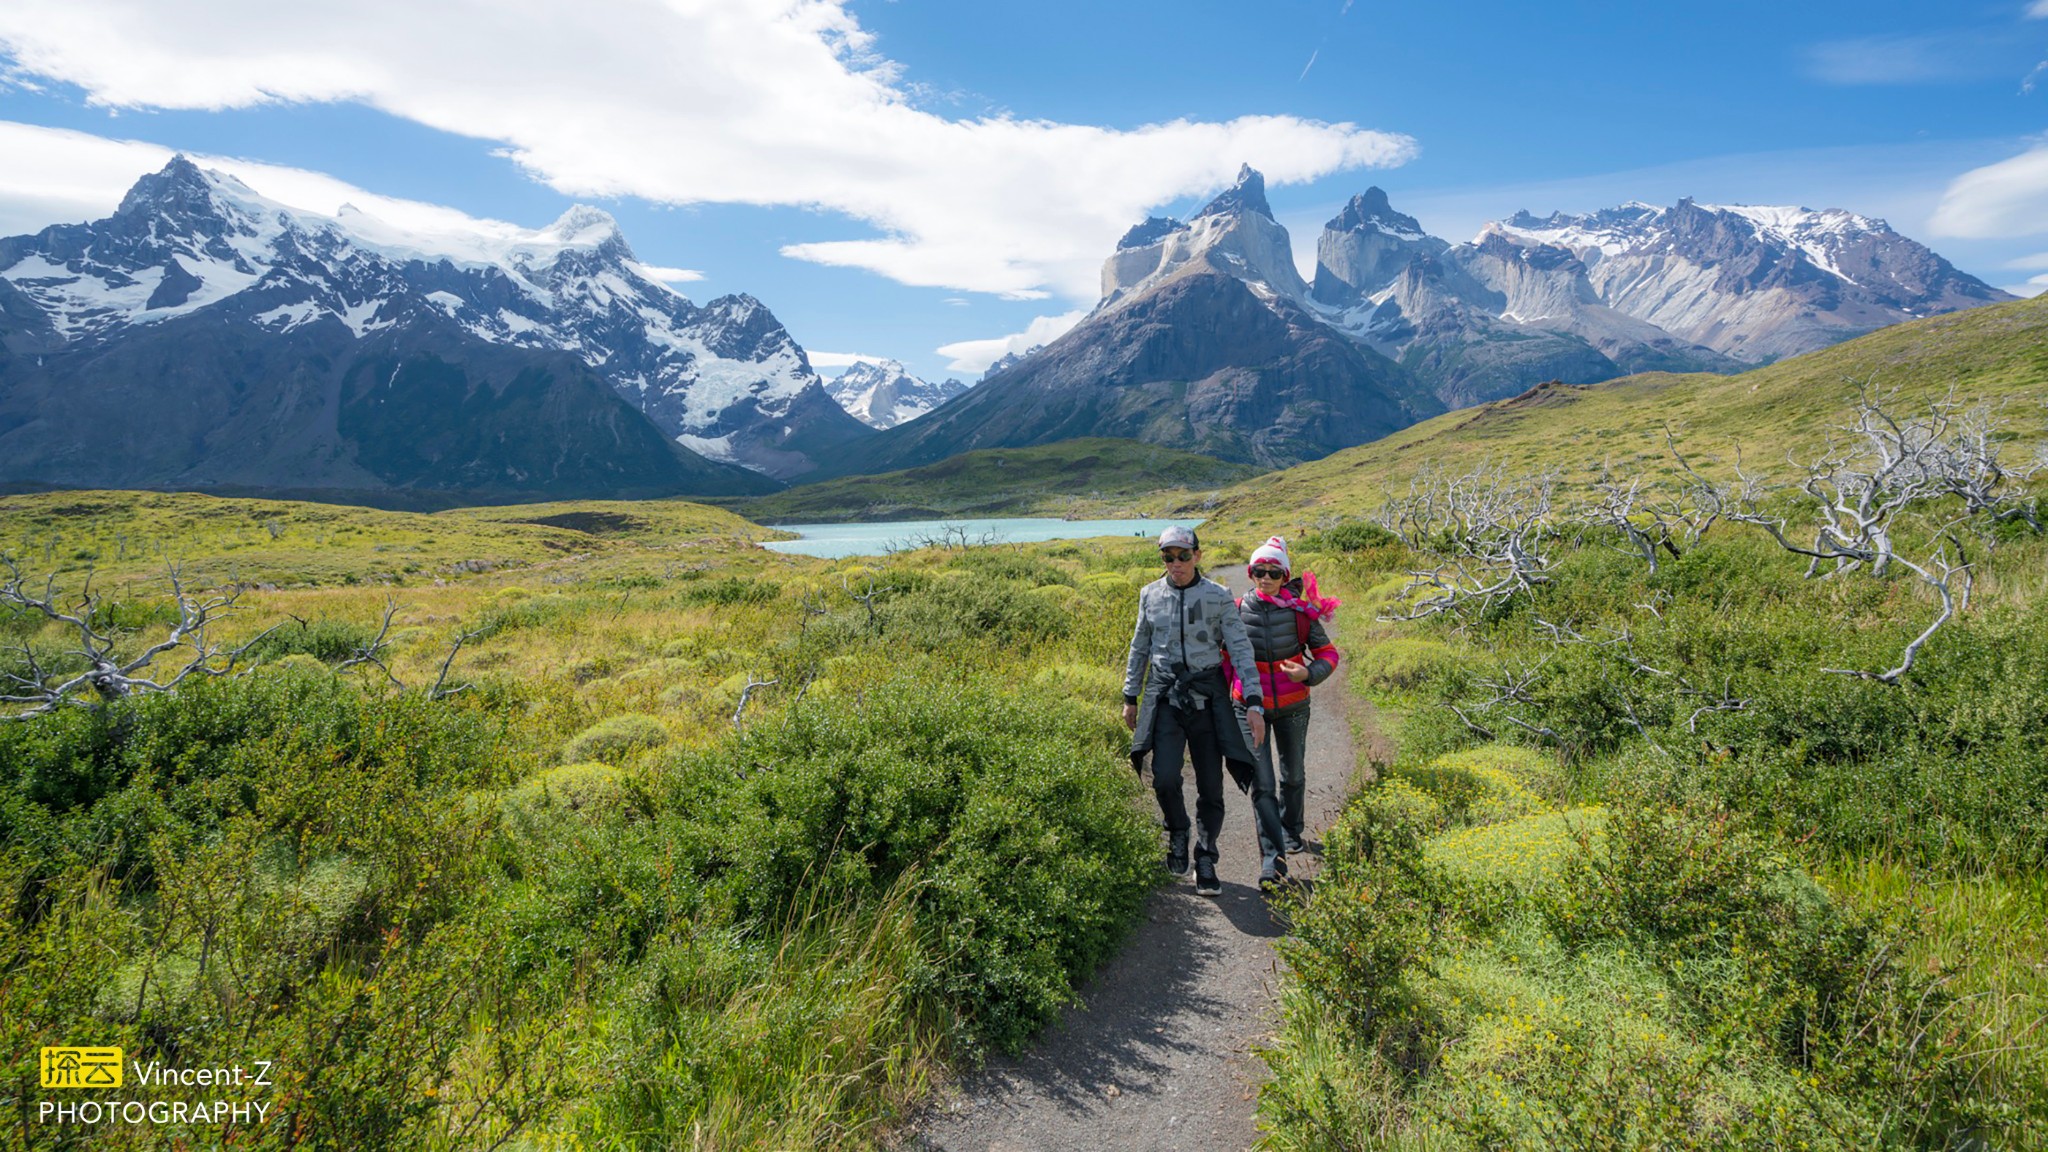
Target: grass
[(132, 536), (1092, 478)]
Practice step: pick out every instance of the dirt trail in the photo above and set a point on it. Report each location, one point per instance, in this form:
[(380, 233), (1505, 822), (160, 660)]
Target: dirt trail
[(1158, 1054)]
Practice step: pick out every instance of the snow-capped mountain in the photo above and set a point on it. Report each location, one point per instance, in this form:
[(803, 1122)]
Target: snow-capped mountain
[(1755, 283), (723, 380), (884, 395), (1484, 320)]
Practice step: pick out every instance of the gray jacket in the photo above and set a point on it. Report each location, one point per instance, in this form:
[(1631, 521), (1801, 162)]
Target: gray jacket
[(1195, 627)]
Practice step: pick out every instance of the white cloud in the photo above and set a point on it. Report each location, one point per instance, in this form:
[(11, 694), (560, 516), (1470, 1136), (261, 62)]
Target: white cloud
[(771, 102), (841, 359), (2038, 10), (975, 355), (671, 275), (2009, 198)]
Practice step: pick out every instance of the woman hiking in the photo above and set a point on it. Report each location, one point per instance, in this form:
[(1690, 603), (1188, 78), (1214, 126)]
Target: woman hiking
[(1177, 701), (1284, 615)]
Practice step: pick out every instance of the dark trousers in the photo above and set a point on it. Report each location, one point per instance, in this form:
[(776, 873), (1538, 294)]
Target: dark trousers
[(1286, 736), (1191, 735), (1266, 813)]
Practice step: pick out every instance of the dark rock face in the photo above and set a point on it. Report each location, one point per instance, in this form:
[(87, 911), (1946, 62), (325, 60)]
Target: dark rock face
[(422, 416), (1201, 363)]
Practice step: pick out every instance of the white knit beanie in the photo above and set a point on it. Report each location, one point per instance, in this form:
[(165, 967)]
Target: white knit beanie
[(1273, 551)]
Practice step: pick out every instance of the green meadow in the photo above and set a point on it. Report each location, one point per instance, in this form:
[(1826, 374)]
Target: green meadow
[(597, 825), (685, 844)]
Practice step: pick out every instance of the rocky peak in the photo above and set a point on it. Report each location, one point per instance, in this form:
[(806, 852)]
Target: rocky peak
[(1370, 211), (1153, 230), (1248, 195), (178, 189)]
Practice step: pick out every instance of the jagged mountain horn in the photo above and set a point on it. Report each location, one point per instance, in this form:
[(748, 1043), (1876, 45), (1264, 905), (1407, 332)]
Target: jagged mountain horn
[(1234, 234), (1365, 247), (1201, 341)]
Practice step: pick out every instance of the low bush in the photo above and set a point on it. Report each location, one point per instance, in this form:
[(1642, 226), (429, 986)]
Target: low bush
[(615, 738)]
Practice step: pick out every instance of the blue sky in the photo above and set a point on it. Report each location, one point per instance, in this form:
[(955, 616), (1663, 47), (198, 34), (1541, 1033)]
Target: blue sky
[(894, 179)]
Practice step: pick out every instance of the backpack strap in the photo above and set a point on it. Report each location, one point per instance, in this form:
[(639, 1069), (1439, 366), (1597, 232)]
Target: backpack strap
[(1301, 631)]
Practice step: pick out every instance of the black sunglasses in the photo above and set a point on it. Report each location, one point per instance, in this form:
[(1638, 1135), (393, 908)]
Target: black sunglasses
[(1269, 573), (1175, 555)]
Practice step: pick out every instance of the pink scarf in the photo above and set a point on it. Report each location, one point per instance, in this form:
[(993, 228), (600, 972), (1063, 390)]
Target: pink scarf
[(1311, 602)]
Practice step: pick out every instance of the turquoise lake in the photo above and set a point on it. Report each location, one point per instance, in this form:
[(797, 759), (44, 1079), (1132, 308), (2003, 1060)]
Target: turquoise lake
[(836, 540)]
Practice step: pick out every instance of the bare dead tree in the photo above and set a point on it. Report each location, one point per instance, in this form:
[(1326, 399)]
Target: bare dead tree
[(372, 653), (108, 676), (811, 605), (746, 694), (867, 598), (437, 692), (1650, 519), (1510, 688), (1490, 532), (1874, 472), (1972, 467)]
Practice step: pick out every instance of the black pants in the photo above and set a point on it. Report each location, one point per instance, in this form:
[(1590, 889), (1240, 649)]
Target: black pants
[(1191, 735), (1286, 735)]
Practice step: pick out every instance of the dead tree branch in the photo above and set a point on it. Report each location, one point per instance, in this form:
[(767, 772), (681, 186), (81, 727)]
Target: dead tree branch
[(746, 694), (107, 675), (1490, 532)]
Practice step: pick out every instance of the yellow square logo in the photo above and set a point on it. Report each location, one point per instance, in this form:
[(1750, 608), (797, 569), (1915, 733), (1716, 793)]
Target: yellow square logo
[(81, 1068)]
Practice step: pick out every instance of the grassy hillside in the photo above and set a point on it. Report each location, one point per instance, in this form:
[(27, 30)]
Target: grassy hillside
[(129, 535), (1094, 477), (1663, 860), (1988, 353)]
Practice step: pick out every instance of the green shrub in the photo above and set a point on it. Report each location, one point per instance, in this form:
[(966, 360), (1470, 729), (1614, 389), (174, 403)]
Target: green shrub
[(615, 737), (1015, 808), (727, 591), (328, 641), (1351, 536), (964, 611), (1402, 664)]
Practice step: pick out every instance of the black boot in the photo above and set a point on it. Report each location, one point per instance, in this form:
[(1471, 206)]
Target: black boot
[(1206, 883), (1177, 852)]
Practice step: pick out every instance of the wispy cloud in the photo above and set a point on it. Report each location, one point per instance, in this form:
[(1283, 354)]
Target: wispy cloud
[(976, 355), (2009, 198), (671, 275), (823, 360), (1923, 58), (2038, 10), (1311, 63), (767, 102)]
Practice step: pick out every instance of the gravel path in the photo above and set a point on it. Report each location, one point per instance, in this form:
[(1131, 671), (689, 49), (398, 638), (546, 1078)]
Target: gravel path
[(1159, 1053)]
